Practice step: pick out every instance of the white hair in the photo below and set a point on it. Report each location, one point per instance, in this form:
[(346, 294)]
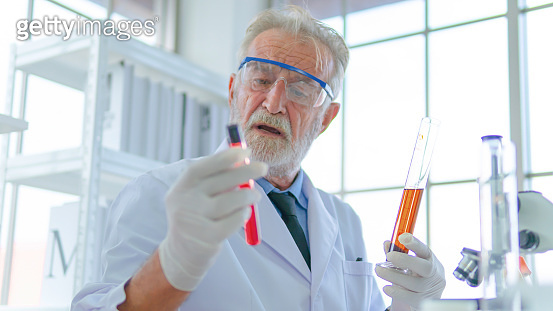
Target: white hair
[(299, 22)]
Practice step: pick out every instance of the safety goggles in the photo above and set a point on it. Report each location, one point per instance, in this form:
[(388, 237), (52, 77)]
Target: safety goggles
[(301, 87)]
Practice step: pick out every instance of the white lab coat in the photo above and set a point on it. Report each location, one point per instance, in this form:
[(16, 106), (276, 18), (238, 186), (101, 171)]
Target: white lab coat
[(269, 276)]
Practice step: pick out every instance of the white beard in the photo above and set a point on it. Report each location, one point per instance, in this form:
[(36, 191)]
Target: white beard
[(283, 157)]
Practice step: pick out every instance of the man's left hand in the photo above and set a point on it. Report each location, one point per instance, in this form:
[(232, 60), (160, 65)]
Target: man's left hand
[(427, 280)]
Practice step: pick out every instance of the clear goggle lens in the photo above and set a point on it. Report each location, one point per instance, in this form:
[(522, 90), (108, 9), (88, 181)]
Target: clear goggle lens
[(301, 89)]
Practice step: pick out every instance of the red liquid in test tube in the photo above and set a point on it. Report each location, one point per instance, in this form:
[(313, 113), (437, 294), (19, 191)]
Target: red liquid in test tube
[(251, 227)]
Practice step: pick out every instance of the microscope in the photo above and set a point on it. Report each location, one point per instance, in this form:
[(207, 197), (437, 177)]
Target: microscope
[(535, 236), (512, 224), (535, 214)]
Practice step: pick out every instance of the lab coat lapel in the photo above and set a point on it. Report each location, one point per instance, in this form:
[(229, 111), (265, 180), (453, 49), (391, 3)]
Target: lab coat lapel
[(323, 231), (274, 233)]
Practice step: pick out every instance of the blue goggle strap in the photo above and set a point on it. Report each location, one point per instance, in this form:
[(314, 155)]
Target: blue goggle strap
[(323, 84)]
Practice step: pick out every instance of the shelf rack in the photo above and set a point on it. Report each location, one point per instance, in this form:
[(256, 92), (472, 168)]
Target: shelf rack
[(89, 171), (9, 124)]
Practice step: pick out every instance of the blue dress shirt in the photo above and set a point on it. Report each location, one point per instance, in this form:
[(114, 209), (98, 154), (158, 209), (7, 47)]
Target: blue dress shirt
[(296, 191)]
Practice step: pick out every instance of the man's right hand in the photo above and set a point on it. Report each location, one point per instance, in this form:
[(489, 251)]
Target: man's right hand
[(204, 207)]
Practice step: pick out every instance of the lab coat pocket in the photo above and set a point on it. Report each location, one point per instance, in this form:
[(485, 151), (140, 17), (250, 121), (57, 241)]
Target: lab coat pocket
[(358, 282)]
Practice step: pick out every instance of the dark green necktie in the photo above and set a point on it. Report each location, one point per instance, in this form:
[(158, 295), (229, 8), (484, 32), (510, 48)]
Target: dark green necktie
[(286, 204)]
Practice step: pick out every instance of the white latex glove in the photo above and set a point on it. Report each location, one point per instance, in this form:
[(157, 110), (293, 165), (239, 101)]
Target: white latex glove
[(204, 207), (427, 281)]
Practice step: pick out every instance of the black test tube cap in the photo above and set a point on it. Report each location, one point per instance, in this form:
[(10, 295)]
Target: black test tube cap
[(234, 133)]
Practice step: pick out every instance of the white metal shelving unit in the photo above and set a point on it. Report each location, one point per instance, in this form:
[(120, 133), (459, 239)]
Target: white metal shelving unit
[(60, 170), (91, 171), (9, 124)]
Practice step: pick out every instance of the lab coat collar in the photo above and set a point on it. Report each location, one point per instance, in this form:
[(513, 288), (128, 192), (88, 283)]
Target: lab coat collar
[(222, 146), (272, 228), (323, 231)]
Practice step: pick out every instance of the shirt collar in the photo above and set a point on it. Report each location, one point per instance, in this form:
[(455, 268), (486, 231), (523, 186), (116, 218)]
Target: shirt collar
[(294, 189)]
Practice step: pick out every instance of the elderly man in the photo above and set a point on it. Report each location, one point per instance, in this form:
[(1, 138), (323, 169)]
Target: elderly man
[(175, 236)]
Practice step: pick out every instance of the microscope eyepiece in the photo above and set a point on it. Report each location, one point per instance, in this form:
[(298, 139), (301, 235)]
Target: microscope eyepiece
[(467, 270), (528, 240)]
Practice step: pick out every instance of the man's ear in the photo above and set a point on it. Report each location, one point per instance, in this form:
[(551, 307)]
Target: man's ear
[(330, 114), (232, 80)]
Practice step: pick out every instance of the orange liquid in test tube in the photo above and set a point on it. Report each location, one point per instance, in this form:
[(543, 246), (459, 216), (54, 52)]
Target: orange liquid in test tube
[(406, 217), (414, 187)]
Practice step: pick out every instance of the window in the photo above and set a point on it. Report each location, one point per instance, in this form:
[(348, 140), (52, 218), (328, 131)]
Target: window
[(540, 93), (384, 90), (447, 59)]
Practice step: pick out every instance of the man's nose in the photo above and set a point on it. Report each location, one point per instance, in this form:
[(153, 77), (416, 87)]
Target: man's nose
[(275, 101)]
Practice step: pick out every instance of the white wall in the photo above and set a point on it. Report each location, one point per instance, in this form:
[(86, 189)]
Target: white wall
[(210, 31)]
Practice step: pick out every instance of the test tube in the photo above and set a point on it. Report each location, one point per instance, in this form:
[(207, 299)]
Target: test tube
[(416, 182), (251, 227), (414, 185)]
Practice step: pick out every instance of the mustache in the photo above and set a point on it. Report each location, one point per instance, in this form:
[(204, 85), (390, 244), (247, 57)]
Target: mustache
[(280, 122)]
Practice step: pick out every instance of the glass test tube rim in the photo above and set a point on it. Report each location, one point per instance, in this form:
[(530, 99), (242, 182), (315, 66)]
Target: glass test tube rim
[(431, 124)]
